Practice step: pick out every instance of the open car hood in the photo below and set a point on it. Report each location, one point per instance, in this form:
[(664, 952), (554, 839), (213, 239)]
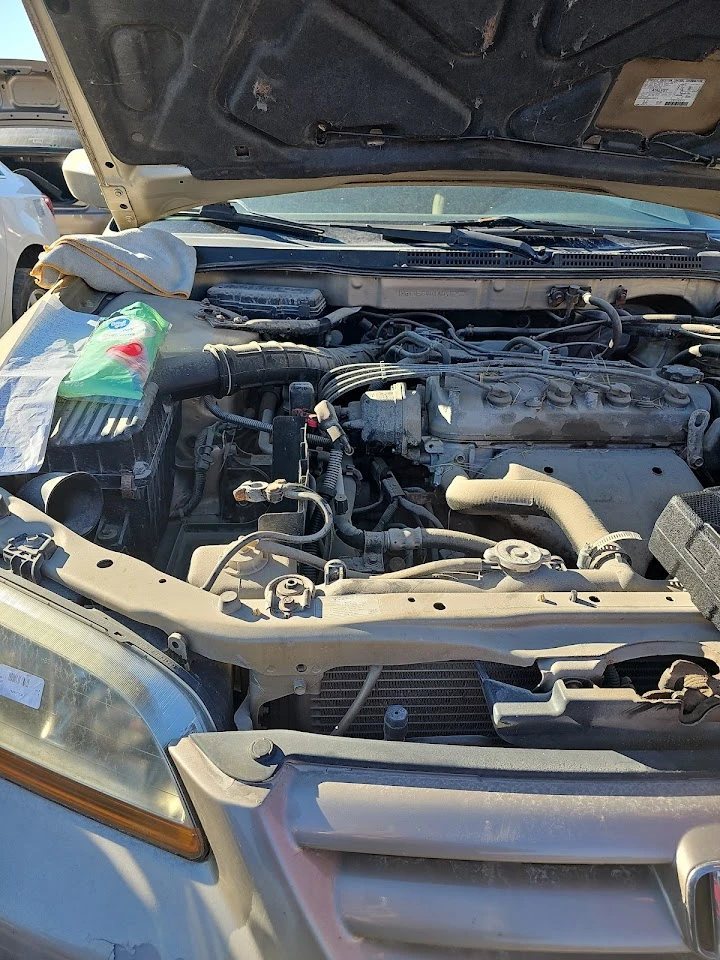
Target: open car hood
[(186, 103), (29, 96)]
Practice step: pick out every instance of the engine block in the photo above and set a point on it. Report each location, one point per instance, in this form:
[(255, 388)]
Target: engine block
[(605, 408)]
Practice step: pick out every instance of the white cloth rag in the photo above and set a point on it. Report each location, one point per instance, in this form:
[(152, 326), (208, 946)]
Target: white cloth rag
[(153, 261)]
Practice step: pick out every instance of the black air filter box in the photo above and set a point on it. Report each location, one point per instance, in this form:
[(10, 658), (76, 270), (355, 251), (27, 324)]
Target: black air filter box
[(130, 450), (258, 300), (686, 541)]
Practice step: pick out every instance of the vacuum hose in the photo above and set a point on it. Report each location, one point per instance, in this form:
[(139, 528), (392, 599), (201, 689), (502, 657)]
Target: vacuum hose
[(411, 537), (700, 351), (613, 316), (222, 369)]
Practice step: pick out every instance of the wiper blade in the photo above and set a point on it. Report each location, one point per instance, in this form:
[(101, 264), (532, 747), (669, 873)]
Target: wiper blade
[(557, 228), (613, 235), (462, 236), (222, 213), (516, 223)]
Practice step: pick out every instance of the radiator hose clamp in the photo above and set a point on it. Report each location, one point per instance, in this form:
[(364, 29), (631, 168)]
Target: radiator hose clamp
[(592, 553)]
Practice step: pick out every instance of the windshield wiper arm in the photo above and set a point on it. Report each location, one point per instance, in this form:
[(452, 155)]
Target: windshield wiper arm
[(561, 229), (463, 236), (515, 223), (225, 213)]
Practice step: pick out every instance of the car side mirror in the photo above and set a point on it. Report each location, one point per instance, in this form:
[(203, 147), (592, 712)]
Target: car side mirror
[(81, 180)]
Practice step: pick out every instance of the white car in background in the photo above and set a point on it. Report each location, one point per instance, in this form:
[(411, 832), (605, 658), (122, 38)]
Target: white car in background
[(27, 225)]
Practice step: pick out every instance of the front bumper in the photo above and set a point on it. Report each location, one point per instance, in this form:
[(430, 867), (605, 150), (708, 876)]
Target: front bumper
[(325, 847), (344, 848)]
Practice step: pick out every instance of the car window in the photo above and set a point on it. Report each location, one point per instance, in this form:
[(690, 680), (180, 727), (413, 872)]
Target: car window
[(414, 204)]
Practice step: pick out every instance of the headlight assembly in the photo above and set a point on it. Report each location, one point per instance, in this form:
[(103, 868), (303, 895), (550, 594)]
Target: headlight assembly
[(86, 721)]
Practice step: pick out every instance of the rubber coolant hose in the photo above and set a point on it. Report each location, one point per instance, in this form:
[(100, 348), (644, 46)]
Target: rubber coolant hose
[(528, 492), (220, 369), (455, 540)]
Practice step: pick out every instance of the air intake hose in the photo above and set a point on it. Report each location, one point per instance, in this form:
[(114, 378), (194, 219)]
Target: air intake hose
[(222, 369)]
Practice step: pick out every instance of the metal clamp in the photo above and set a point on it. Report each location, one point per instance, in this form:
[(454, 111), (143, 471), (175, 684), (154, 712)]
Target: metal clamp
[(372, 559), (591, 552)]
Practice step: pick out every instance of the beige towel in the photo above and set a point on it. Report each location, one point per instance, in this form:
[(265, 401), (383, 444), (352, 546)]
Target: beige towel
[(153, 261)]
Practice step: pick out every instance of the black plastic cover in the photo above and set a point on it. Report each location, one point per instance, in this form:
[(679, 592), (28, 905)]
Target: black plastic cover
[(130, 450), (260, 300), (686, 541)]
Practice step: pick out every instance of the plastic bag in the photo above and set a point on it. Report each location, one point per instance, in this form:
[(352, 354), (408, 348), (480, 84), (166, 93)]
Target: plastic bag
[(117, 360)]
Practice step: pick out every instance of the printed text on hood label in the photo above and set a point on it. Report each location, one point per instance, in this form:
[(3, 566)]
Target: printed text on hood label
[(668, 92)]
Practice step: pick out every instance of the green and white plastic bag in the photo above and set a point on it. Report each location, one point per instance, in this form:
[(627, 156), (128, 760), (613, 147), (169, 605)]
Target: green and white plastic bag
[(119, 356)]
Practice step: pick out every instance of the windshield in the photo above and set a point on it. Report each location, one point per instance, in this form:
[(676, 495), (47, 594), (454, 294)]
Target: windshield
[(407, 204)]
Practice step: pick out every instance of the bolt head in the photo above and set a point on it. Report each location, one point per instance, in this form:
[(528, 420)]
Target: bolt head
[(562, 388), (499, 396), (261, 748)]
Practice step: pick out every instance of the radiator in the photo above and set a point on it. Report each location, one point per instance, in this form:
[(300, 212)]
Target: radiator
[(442, 699)]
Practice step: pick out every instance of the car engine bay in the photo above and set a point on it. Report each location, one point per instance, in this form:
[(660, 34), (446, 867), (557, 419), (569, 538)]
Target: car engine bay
[(443, 525)]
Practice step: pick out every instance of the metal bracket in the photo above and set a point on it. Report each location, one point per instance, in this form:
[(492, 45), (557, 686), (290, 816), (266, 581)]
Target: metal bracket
[(220, 317), (620, 298), (288, 595), (177, 645), (568, 297), (335, 570), (26, 554), (697, 424), (374, 549), (127, 485), (120, 199), (372, 559)]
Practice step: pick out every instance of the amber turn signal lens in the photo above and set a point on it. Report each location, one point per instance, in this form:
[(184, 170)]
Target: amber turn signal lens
[(175, 837)]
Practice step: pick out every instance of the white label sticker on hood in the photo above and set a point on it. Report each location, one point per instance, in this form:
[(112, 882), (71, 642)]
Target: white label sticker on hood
[(668, 92), (20, 686)]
